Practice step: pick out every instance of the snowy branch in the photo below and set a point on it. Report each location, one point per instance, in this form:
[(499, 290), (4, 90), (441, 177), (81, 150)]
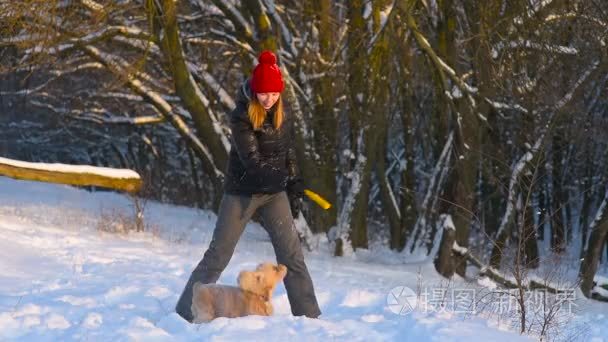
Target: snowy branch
[(342, 230), (443, 68), (555, 49), (432, 191), (385, 15), (599, 215), (521, 164), (236, 18), (100, 116), (93, 6), (566, 98), (285, 33), (499, 277), (245, 46), (214, 85), (572, 15), (118, 66), (301, 122), (518, 169)]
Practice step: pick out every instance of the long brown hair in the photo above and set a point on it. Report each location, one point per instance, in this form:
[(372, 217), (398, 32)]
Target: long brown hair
[(257, 113)]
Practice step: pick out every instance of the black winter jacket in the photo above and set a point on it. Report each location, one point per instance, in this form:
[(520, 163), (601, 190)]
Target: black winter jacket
[(261, 161)]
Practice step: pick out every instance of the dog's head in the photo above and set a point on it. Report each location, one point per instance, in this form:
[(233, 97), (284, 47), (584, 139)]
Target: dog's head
[(263, 280)]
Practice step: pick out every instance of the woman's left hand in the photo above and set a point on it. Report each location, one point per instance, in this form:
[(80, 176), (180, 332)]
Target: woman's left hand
[(295, 193), (296, 187)]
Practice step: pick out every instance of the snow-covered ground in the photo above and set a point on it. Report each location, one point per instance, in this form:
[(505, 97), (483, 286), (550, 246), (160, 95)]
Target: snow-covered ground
[(63, 279)]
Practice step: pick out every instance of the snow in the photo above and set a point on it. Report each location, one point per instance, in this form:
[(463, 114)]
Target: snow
[(459, 249), (601, 291), (602, 286), (499, 105), (487, 282), (64, 280), (456, 93), (601, 280), (360, 97), (384, 14), (56, 167), (447, 223), (367, 10)]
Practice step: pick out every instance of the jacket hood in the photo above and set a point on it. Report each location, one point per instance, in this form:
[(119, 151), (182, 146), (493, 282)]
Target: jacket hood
[(244, 94)]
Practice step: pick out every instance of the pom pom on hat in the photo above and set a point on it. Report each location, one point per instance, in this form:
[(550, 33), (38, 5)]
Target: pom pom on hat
[(267, 57), (266, 76)]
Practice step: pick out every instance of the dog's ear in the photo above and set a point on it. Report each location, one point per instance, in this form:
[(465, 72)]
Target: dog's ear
[(260, 278), (247, 280)]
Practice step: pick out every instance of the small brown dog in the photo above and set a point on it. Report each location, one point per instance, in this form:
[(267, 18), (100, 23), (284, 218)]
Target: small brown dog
[(252, 297)]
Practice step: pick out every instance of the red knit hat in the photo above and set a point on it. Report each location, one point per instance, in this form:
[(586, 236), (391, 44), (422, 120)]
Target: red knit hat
[(266, 76)]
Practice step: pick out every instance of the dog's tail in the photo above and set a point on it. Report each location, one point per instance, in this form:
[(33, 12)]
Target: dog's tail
[(195, 288), (195, 293)]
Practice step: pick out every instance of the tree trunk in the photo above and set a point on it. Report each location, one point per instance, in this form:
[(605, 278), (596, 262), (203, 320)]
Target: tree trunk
[(467, 143), (389, 202), (359, 128), (606, 247), (407, 200), (597, 239), (527, 242), (542, 208), (375, 114), (407, 194), (323, 123), (188, 91), (352, 229), (587, 190), (557, 205), (368, 98), (463, 194), (447, 50), (529, 235), (445, 261)]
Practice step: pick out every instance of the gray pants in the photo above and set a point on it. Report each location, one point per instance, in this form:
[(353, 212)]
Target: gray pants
[(234, 213)]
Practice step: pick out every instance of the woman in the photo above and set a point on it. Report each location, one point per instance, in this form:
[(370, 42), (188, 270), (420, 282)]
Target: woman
[(261, 168)]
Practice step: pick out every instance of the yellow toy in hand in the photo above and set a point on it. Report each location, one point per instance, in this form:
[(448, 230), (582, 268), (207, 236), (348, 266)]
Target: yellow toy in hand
[(317, 199)]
